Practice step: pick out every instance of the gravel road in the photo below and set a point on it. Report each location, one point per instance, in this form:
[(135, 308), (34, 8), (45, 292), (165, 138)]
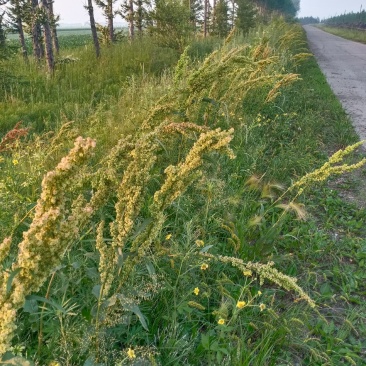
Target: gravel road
[(343, 63)]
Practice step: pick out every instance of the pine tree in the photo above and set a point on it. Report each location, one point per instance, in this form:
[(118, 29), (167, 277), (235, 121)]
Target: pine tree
[(33, 19), (220, 26), (107, 8), (245, 15), (127, 12), (16, 14), (171, 24), (46, 23), (53, 22), (2, 33)]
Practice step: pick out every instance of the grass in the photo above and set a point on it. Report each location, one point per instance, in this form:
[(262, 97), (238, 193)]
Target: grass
[(351, 34), (179, 303)]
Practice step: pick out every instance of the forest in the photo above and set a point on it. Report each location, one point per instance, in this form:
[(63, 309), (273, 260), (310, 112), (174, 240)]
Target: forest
[(171, 193)]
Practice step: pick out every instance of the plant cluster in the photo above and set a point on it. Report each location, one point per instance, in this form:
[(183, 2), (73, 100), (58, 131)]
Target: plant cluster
[(159, 248)]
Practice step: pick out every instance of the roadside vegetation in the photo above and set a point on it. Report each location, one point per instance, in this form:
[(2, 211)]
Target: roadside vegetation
[(349, 25), (165, 208)]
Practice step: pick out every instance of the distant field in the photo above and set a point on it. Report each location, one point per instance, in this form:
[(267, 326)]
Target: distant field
[(62, 32)]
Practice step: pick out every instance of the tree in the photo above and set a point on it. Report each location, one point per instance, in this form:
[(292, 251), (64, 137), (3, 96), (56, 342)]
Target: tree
[(2, 34), (107, 7), (33, 19), (286, 7), (141, 15), (93, 27), (171, 24), (127, 12), (245, 15), (46, 23), (53, 23), (16, 14), (220, 26)]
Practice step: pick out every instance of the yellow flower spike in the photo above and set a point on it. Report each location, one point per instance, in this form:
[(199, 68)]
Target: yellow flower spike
[(168, 237), (262, 307), (221, 321), (196, 291), (131, 354), (204, 266), (240, 304), (247, 273), (200, 243)]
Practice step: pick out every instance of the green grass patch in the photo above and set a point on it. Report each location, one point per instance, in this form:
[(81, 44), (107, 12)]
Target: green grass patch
[(358, 35)]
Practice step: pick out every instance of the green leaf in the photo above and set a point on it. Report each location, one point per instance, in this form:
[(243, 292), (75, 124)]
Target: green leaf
[(96, 291), (10, 280), (206, 248), (30, 306), (136, 310), (47, 301), (9, 359)]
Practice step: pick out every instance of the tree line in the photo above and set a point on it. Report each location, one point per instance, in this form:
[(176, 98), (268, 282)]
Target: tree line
[(171, 22), (348, 20)]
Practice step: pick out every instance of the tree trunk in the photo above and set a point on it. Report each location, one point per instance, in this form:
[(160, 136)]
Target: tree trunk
[(205, 19), (22, 39), (53, 27), (36, 32), (139, 18), (93, 28), (131, 20), (48, 38), (110, 17), (2, 32)]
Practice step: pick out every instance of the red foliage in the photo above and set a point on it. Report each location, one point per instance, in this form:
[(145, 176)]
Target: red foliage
[(9, 140)]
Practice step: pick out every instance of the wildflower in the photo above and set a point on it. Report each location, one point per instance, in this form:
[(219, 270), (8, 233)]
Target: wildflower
[(15, 161), (247, 273), (204, 266), (259, 293), (168, 237), (196, 291), (221, 321), (131, 354), (200, 243), (262, 307), (240, 304)]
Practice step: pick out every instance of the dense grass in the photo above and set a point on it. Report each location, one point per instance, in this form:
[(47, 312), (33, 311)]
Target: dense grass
[(161, 316), (351, 34)]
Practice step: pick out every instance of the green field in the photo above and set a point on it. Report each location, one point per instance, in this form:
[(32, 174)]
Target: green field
[(160, 208)]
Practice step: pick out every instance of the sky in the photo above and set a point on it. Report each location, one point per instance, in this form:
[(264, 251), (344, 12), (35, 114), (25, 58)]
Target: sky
[(328, 8), (72, 11)]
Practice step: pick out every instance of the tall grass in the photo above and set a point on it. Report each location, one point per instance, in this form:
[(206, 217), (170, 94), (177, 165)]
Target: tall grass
[(156, 240)]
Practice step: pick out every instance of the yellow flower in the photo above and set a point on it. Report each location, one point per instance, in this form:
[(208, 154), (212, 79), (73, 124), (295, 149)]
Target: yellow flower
[(259, 293), (247, 273), (200, 243), (196, 291), (168, 236), (15, 161), (221, 321), (240, 304), (131, 354), (204, 266), (262, 307)]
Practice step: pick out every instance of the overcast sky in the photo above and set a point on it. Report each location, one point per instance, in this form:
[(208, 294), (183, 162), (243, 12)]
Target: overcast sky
[(72, 11), (327, 8)]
